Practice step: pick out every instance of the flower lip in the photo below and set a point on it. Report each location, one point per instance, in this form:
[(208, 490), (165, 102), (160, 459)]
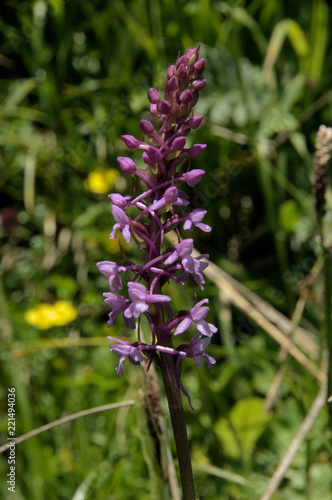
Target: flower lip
[(195, 219)]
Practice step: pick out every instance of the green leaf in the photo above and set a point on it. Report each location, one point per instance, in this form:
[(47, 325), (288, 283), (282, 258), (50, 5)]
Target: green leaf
[(289, 214), (292, 30), (239, 433)]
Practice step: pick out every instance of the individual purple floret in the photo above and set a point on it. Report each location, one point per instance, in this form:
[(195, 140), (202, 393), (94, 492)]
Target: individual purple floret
[(197, 315), (111, 271), (157, 206), (124, 350), (195, 219), (139, 298), (122, 223)]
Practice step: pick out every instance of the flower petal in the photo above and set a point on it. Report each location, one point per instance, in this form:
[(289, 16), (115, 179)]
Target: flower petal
[(183, 326)]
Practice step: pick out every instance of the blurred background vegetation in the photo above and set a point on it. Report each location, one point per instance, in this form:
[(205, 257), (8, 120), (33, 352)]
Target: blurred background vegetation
[(74, 77)]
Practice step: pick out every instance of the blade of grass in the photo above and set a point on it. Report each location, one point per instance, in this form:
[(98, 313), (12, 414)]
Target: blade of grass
[(69, 418)]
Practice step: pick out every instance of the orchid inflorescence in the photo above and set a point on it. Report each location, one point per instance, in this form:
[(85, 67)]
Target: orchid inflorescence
[(161, 207)]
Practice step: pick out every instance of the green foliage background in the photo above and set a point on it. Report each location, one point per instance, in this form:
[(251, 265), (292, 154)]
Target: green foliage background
[(74, 77)]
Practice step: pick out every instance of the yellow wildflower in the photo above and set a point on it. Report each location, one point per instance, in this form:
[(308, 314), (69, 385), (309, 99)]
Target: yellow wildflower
[(45, 316), (101, 180)]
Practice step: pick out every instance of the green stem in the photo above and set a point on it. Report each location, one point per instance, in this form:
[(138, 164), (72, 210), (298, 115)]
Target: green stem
[(328, 319), (174, 400), (173, 394)]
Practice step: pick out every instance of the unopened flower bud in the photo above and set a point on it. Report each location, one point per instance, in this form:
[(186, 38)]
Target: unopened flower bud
[(199, 84), (164, 107), (181, 72), (145, 158), (179, 143), (171, 195), (146, 127), (119, 200), (154, 110), (199, 66), (193, 177), (196, 150), (181, 60), (170, 71), (185, 97), (130, 141), (154, 96), (194, 122), (192, 55), (172, 83), (154, 155), (126, 164)]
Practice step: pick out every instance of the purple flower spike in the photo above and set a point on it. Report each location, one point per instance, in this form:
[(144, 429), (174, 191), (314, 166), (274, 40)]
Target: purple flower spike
[(156, 206), (195, 219), (125, 350), (127, 165)]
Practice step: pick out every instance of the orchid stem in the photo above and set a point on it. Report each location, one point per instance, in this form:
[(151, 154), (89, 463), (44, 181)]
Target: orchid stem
[(174, 400)]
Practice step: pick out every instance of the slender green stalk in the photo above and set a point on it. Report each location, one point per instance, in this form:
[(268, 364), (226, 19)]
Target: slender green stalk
[(328, 313), (173, 394), (322, 156), (179, 426)]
